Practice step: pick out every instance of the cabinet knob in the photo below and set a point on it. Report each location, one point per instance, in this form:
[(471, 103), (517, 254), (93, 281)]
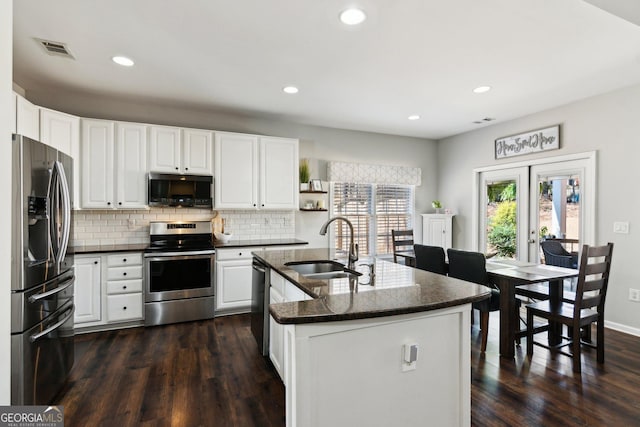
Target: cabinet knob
[(254, 205), (124, 260), (239, 253), (95, 262), (124, 287), (124, 274), (263, 205), (120, 203), (124, 308), (108, 203), (186, 169), (176, 168)]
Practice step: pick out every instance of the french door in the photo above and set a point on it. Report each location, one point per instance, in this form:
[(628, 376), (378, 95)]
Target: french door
[(520, 204)]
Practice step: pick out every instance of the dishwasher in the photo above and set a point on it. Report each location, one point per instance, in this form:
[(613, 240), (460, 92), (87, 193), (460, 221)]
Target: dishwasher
[(260, 305)]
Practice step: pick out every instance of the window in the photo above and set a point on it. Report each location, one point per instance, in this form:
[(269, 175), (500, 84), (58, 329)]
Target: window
[(374, 210)]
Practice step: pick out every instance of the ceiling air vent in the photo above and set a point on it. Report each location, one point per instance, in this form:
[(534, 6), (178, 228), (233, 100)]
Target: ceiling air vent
[(55, 48), (486, 119)]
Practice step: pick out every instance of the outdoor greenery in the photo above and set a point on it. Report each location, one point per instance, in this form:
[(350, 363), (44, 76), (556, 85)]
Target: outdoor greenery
[(502, 229)]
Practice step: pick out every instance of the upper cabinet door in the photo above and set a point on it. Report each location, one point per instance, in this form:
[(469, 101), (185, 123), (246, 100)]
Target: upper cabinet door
[(164, 149), (197, 152), (236, 171), (27, 118), (131, 166), (96, 152), (278, 173), (60, 131)]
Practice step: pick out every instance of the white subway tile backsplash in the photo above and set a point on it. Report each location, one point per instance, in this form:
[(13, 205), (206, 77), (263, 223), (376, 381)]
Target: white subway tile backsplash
[(95, 227)]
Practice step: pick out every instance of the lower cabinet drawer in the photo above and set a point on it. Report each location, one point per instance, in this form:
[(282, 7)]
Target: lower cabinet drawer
[(123, 273), (124, 307), (124, 286)]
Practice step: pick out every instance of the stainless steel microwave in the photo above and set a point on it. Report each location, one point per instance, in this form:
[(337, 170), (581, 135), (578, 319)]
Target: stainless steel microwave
[(188, 191)]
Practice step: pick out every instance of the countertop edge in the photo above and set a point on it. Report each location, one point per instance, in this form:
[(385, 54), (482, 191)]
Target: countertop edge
[(259, 243), (335, 317)]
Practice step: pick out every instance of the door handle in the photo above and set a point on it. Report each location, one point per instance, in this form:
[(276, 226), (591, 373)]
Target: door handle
[(38, 297), (36, 337)]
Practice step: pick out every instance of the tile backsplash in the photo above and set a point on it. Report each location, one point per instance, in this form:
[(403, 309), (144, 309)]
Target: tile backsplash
[(114, 227)]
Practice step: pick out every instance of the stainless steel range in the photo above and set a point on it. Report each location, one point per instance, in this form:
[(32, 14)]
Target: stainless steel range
[(179, 267)]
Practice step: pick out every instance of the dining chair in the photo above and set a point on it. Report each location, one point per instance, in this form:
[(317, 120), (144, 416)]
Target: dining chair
[(402, 240), (587, 308), (471, 266), (430, 258)]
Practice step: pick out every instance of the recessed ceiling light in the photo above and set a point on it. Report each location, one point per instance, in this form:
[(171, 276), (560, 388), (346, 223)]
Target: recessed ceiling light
[(414, 117), (482, 89), (290, 89), (352, 16), (122, 60)]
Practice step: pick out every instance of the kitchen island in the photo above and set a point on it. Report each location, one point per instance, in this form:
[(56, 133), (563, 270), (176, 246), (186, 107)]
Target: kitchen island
[(395, 351)]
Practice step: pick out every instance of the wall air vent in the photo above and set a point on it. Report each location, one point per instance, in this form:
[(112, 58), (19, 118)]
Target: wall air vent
[(55, 48)]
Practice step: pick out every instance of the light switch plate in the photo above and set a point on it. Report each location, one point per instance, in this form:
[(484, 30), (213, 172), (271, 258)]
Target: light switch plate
[(621, 227)]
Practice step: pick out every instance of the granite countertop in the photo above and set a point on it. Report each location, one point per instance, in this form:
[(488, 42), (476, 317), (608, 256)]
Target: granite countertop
[(89, 249), (397, 289), (258, 242)]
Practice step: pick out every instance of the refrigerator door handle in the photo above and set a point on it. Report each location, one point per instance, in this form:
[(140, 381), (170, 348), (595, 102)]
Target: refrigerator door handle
[(36, 337), (49, 213), (65, 285), (61, 199)]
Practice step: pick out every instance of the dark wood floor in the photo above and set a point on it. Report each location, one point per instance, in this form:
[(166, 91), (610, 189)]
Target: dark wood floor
[(209, 373)]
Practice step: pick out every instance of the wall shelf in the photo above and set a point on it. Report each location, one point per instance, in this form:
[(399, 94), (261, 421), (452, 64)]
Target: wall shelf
[(313, 210), (312, 192)]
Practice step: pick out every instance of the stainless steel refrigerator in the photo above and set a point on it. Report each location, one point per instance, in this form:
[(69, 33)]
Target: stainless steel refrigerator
[(42, 275)]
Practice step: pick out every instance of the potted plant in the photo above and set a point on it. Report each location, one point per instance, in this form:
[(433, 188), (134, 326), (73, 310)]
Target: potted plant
[(304, 174), (436, 205)]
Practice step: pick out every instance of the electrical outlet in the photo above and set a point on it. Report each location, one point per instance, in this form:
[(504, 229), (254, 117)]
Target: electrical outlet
[(621, 227), (634, 294)]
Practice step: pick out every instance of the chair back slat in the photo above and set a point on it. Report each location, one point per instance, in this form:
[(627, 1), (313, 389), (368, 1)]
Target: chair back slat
[(593, 277), (593, 285), (401, 240), (591, 301), (598, 268)]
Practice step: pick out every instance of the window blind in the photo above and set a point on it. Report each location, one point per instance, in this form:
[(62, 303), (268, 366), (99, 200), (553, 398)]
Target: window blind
[(374, 210)]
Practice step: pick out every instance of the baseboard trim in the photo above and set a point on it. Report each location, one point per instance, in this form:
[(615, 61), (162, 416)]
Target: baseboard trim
[(622, 328)]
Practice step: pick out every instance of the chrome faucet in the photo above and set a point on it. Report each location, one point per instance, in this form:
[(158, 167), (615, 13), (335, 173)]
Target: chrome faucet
[(353, 247)]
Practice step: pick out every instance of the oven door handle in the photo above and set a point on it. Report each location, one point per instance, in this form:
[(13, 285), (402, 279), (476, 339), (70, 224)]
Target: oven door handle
[(179, 254), (36, 337), (65, 285)]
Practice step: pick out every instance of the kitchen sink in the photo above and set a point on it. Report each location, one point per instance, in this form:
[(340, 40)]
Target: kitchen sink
[(316, 267), (322, 270)]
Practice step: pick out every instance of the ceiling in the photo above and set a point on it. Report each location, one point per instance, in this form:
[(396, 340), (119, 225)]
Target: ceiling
[(409, 57)]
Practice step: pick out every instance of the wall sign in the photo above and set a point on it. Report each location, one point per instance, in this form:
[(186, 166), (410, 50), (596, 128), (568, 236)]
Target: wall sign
[(530, 142)]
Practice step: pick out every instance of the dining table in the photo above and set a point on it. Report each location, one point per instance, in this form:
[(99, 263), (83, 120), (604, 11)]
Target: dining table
[(509, 273)]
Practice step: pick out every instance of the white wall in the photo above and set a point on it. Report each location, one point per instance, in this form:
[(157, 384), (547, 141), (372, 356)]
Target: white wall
[(318, 144), (608, 124), (6, 79)]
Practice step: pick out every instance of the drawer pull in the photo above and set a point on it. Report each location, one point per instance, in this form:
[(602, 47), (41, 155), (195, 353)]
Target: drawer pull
[(95, 262), (124, 260), (124, 274), (124, 287), (240, 254), (124, 308)]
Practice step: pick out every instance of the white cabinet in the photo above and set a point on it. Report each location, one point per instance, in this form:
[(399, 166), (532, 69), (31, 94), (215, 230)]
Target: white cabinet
[(176, 150), (164, 149), (131, 166), (278, 173), (255, 172), (60, 131), (281, 291), (233, 279), (96, 154), (436, 230), (87, 289), (113, 167), (236, 166), (27, 118), (197, 152), (108, 290)]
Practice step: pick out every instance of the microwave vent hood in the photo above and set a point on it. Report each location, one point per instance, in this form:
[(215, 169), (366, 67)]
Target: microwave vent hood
[(187, 191)]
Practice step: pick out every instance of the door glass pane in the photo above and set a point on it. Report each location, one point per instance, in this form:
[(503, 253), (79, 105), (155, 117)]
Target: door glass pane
[(501, 219), (559, 209)]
